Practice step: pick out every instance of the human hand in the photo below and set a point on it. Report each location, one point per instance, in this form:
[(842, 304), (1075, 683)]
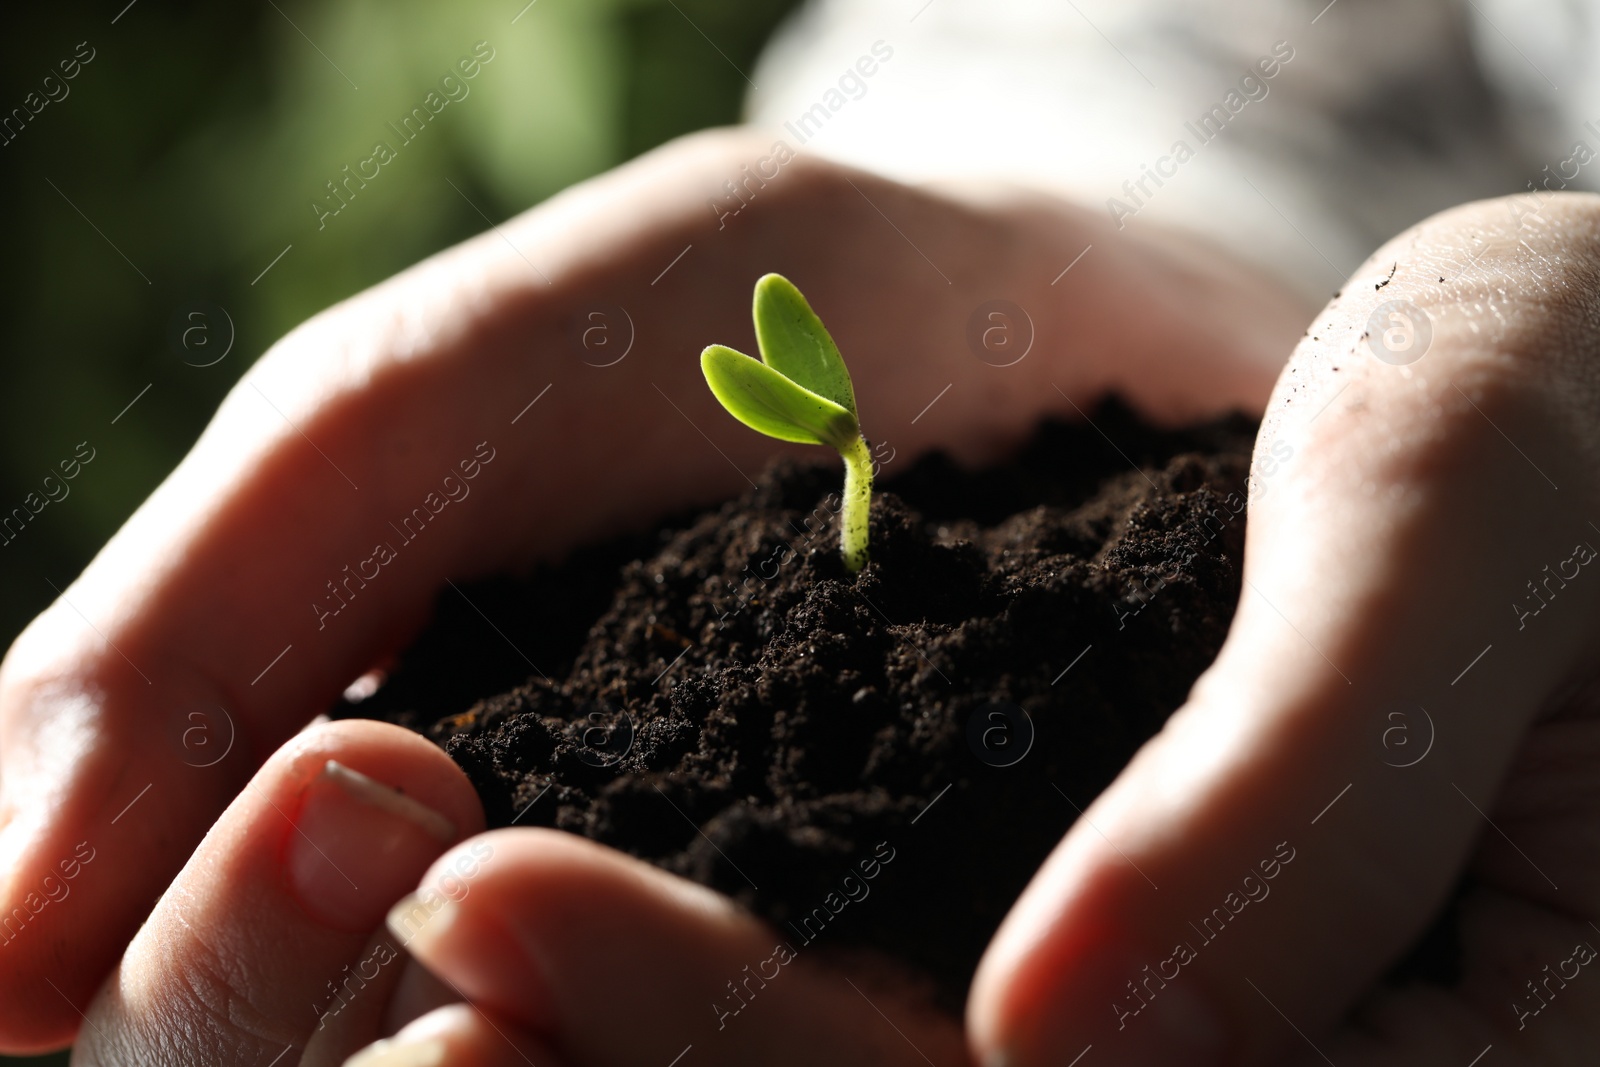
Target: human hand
[(551, 949), (195, 622), (1419, 565)]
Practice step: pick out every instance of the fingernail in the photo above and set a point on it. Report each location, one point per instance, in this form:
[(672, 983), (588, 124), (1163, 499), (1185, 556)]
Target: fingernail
[(399, 1052), (356, 845), (476, 950), (419, 920)]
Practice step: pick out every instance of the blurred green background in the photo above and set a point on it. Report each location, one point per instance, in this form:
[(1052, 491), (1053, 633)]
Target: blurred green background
[(194, 141)]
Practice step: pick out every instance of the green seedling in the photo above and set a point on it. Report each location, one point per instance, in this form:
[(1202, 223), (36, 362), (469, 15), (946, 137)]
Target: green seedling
[(799, 390)]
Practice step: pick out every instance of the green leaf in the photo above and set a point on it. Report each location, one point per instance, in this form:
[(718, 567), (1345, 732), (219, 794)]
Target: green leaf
[(766, 401), (794, 342)]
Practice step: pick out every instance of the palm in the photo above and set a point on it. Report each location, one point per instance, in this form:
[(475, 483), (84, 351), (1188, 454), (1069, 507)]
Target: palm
[(1512, 924)]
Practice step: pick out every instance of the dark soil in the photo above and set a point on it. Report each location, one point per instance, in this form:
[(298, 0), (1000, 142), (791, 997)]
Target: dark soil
[(720, 698)]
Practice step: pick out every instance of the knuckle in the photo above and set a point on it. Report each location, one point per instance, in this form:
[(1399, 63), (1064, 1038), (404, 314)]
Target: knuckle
[(197, 1009), (1479, 322), (46, 647), (1521, 275)]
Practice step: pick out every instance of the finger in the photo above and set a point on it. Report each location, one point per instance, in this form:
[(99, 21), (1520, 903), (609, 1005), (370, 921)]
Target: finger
[(371, 455), (356, 1004), (459, 1035), (1292, 864), (416, 993), (267, 933), (566, 937)]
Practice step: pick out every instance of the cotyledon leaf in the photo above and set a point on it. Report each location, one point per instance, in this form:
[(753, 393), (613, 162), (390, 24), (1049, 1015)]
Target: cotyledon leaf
[(770, 403), (794, 342)]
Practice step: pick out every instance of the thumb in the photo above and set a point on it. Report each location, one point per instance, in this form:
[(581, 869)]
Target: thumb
[(1264, 859)]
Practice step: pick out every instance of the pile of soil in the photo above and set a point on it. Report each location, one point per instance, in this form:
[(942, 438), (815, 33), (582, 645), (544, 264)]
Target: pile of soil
[(719, 697)]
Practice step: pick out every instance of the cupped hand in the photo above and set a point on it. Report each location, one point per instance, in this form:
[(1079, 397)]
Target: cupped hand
[(539, 946), (456, 400), (1406, 694)]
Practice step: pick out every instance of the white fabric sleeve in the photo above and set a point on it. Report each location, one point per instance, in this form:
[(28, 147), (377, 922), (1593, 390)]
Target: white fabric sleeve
[(1298, 134)]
